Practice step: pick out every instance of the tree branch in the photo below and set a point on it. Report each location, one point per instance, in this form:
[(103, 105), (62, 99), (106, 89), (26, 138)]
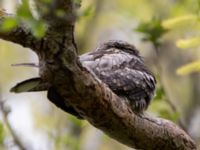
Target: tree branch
[(158, 64), (59, 65), (20, 34), (112, 115), (5, 113)]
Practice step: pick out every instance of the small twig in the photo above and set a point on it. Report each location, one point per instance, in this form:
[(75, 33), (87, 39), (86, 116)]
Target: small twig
[(5, 112), (25, 65), (20, 34), (167, 99), (160, 69)]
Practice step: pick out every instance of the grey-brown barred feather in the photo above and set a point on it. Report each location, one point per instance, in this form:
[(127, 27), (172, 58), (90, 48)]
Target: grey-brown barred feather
[(119, 65)]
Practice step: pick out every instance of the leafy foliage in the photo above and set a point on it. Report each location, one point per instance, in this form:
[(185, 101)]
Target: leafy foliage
[(87, 11), (191, 21), (152, 30), (189, 68), (9, 24), (188, 43), (24, 15), (183, 20), (159, 93), (161, 107)]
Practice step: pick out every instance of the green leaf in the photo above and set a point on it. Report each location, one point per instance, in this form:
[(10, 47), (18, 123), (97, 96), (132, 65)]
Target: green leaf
[(87, 11), (189, 68), (24, 15), (169, 115), (188, 43), (24, 11), (75, 121), (152, 30), (159, 94), (179, 21), (8, 24), (163, 109), (38, 28)]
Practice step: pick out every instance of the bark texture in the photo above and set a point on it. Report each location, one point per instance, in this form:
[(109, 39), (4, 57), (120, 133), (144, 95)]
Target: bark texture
[(59, 66)]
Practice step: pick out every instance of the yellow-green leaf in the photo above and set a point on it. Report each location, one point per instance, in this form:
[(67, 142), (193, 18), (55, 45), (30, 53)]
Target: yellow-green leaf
[(189, 68), (9, 24), (179, 21), (188, 43)]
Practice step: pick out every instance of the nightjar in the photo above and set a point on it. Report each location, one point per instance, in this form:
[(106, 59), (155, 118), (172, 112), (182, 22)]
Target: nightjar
[(119, 65)]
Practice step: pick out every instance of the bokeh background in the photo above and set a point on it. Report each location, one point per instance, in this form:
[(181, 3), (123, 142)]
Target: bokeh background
[(165, 31)]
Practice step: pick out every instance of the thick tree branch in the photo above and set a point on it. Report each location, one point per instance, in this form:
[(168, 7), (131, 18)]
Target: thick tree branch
[(20, 34), (57, 14), (59, 65), (112, 115)]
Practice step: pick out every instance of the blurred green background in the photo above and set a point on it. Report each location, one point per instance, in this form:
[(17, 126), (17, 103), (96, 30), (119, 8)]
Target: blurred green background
[(166, 32)]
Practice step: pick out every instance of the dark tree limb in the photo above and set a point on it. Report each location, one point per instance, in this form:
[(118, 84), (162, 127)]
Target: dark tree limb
[(57, 14), (20, 34), (59, 66)]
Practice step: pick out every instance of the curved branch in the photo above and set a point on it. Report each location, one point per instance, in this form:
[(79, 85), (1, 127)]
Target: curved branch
[(111, 114), (59, 65), (20, 34), (16, 138)]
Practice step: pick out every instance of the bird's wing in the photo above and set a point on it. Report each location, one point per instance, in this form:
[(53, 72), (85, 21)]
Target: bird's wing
[(99, 61), (124, 73)]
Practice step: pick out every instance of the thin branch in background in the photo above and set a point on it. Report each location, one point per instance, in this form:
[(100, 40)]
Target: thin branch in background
[(153, 31), (167, 99), (160, 70), (25, 65), (5, 112)]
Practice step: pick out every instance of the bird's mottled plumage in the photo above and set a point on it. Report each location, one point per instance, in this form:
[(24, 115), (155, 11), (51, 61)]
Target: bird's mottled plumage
[(119, 65)]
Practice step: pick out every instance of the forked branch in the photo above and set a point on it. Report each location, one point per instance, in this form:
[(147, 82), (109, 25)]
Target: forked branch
[(59, 65)]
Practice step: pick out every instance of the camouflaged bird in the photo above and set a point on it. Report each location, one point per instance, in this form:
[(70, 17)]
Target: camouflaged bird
[(117, 64)]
